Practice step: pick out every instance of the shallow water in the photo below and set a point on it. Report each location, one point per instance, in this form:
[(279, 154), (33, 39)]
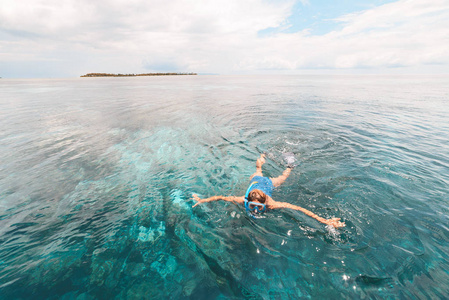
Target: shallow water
[(97, 175)]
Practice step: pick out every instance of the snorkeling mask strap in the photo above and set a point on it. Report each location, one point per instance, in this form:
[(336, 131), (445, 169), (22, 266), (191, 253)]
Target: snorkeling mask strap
[(248, 211), (246, 196), (249, 190), (246, 199)]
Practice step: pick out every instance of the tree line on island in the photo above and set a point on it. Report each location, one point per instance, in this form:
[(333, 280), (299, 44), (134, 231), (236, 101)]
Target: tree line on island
[(132, 75)]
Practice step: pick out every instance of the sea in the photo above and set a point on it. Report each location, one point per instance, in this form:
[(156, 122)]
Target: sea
[(97, 177)]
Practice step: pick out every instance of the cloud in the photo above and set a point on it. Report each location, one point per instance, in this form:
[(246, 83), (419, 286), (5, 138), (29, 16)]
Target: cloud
[(305, 2), (403, 34), (163, 64), (194, 33), (66, 19), (130, 36)]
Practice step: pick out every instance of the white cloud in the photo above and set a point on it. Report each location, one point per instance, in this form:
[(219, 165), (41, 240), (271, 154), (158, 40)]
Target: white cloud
[(403, 34), (216, 36)]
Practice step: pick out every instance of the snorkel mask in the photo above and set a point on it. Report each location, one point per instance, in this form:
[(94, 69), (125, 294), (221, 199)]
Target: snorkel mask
[(253, 208)]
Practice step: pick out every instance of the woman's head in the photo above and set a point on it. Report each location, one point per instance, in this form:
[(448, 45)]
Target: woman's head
[(257, 196)]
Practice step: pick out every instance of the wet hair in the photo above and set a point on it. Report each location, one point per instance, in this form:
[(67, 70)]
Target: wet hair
[(257, 195)]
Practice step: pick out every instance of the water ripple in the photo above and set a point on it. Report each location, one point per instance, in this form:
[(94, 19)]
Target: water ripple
[(97, 177)]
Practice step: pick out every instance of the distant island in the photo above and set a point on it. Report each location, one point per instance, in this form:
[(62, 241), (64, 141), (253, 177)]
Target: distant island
[(133, 75)]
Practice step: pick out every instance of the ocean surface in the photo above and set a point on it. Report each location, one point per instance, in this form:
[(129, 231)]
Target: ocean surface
[(97, 177)]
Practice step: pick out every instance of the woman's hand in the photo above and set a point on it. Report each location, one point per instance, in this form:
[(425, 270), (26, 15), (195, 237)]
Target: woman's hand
[(335, 222), (197, 199)]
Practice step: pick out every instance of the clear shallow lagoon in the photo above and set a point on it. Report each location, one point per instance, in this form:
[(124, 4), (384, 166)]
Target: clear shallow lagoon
[(96, 176)]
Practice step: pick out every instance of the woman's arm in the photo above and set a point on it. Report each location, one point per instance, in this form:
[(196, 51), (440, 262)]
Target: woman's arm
[(334, 221), (234, 199)]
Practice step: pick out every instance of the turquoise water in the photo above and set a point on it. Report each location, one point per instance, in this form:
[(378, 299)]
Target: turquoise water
[(97, 175)]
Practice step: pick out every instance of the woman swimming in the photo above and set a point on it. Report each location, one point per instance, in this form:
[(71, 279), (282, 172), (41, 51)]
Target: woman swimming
[(258, 196)]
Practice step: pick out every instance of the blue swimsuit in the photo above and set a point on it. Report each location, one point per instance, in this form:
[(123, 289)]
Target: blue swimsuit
[(261, 183)]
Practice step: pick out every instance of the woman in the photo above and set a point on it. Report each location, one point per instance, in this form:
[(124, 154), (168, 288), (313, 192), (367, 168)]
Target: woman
[(258, 196)]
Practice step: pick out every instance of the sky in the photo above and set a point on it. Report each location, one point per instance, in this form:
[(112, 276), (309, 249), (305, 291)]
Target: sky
[(69, 38)]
